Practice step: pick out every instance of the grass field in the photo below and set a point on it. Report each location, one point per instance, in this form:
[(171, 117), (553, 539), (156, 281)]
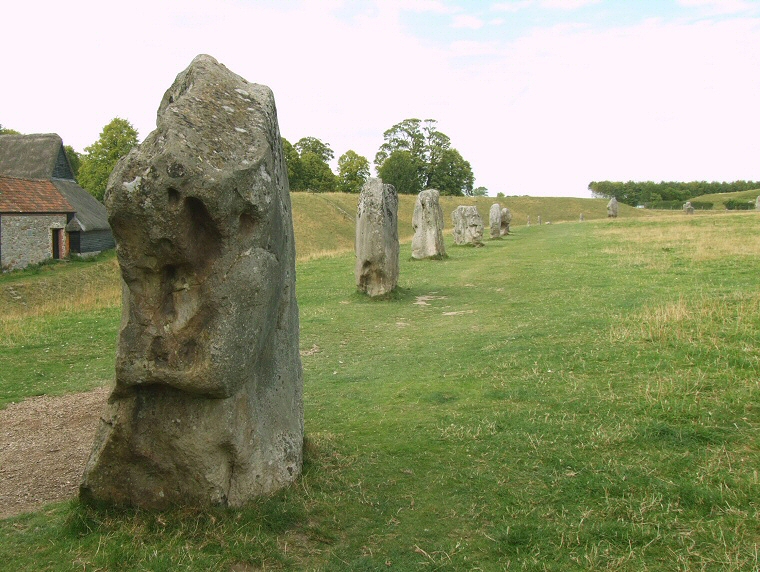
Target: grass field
[(571, 397)]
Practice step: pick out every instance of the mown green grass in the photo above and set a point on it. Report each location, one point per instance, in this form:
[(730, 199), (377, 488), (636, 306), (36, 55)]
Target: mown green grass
[(58, 327), (570, 397)]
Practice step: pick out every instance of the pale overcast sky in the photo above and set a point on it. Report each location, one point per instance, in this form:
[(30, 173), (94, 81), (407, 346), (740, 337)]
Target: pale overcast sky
[(541, 96)]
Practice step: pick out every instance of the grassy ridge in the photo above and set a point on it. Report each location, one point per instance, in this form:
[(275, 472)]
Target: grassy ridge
[(719, 199), (571, 397), (324, 222)]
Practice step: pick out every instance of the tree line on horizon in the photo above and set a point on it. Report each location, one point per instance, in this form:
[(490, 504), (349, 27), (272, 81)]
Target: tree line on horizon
[(650, 194), (414, 156)]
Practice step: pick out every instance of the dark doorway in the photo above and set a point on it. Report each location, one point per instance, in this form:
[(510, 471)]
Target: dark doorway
[(56, 243)]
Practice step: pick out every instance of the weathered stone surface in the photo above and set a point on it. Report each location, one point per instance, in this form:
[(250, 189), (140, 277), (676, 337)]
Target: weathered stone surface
[(377, 244), (688, 208), (528, 220), (506, 218), (494, 220), (757, 203), (427, 222), (207, 407), (468, 226), (538, 219), (612, 208), (581, 218)]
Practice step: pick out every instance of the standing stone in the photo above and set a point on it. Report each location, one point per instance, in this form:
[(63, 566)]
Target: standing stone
[(494, 219), (581, 219), (468, 226), (757, 203), (506, 218), (688, 208), (207, 407), (528, 220), (377, 244), (538, 218), (612, 208), (427, 222)]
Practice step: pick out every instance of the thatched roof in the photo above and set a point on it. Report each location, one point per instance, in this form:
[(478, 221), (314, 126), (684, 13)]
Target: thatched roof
[(37, 177), (38, 156)]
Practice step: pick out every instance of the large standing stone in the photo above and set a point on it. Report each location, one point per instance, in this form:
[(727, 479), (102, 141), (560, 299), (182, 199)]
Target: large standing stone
[(207, 408), (468, 226), (506, 218), (494, 220), (377, 244), (427, 222), (757, 203), (688, 208), (612, 208)]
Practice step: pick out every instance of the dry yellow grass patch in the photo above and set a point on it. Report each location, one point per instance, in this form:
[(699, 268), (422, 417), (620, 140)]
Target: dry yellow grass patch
[(698, 238), (89, 288), (316, 254), (704, 321)]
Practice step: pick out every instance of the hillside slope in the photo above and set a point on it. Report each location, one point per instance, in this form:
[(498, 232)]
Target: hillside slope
[(719, 199), (325, 222)]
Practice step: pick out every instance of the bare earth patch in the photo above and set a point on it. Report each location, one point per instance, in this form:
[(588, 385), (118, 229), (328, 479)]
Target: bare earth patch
[(44, 445), (425, 300)]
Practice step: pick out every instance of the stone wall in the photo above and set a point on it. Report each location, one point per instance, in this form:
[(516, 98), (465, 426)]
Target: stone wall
[(27, 239)]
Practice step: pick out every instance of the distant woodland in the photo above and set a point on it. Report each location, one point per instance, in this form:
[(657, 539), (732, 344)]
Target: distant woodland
[(654, 195)]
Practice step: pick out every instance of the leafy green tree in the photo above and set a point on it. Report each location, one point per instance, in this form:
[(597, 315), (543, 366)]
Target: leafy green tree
[(404, 136), (438, 164), (317, 176), (353, 171), (402, 170), (293, 163), (307, 165), (315, 146), (6, 131), (75, 159), (452, 175), (115, 141), (481, 192)]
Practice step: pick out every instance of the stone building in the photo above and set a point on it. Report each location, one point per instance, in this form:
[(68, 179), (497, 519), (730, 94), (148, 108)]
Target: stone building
[(44, 213), (33, 217)]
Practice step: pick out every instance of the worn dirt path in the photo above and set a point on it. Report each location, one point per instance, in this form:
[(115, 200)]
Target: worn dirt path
[(44, 445)]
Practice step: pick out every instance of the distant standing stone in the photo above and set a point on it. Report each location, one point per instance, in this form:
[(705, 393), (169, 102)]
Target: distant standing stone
[(207, 407), (757, 203), (581, 219), (506, 218), (427, 222), (528, 220), (494, 219), (538, 219), (612, 208), (468, 226), (688, 208), (377, 247)]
